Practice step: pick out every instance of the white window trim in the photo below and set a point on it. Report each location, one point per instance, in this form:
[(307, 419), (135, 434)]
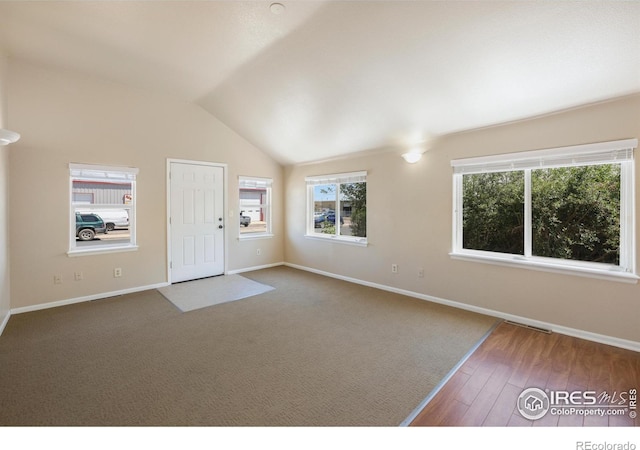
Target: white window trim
[(253, 237), (600, 153), (267, 183), (102, 250), (340, 178), (349, 240), (90, 171)]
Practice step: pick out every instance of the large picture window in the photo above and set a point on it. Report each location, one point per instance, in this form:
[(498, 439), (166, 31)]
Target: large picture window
[(337, 207), (255, 207), (569, 208), (103, 206)]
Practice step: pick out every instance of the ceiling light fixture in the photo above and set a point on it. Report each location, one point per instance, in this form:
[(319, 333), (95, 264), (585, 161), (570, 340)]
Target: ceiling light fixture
[(276, 8), (416, 150), (412, 157), (8, 137)]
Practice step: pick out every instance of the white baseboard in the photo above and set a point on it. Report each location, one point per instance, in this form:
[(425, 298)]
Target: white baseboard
[(87, 298), (4, 322), (249, 269), (603, 339)]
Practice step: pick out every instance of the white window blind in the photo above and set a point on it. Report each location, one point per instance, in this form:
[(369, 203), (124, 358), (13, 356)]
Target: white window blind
[(579, 155), (102, 173), (254, 183), (351, 177)]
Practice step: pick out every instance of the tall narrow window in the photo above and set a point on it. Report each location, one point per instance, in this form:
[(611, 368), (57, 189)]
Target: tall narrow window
[(255, 207), (337, 207), (564, 208), (102, 209)]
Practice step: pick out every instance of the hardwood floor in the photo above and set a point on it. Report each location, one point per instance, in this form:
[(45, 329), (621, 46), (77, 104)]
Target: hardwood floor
[(485, 389)]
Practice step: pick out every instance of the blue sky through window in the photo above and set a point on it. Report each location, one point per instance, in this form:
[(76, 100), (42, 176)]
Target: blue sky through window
[(329, 194)]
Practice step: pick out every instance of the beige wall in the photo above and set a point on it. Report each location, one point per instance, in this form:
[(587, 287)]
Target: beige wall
[(5, 302), (66, 117), (410, 221), (4, 64)]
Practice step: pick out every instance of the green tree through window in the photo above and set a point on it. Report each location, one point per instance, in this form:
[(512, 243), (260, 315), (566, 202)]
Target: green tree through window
[(493, 215), (576, 213), (356, 195), (557, 209)]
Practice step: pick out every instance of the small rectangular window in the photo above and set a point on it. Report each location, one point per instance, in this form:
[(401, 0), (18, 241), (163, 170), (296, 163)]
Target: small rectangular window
[(254, 207), (337, 207), (102, 210)]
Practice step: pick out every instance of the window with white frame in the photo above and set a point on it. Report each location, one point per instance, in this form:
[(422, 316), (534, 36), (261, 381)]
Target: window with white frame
[(255, 207), (337, 207), (569, 208), (102, 208)]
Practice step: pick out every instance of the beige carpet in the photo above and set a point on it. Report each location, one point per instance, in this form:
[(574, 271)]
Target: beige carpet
[(197, 294), (314, 351)]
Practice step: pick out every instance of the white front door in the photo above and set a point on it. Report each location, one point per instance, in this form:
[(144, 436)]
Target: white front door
[(196, 221)]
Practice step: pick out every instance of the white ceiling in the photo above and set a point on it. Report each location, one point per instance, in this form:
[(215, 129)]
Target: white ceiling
[(329, 78)]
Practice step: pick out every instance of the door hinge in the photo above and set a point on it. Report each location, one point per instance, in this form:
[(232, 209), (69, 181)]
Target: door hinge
[(170, 265)]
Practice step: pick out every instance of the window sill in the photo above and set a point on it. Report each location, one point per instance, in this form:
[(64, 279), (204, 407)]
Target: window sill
[(547, 266), (101, 250), (360, 242), (251, 237)]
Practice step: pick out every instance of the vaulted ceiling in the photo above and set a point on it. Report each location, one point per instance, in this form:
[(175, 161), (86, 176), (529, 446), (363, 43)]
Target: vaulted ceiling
[(322, 79)]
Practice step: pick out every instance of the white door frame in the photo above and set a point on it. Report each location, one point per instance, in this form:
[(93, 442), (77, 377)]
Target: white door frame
[(168, 206)]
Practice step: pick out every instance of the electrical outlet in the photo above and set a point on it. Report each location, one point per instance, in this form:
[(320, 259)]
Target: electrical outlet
[(258, 252), (421, 272), (394, 268), (57, 279), (117, 272), (78, 276)]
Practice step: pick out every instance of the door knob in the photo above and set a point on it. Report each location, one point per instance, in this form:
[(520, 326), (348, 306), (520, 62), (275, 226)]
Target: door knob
[(219, 226)]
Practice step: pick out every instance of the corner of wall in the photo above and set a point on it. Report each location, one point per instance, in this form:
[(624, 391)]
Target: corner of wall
[(3, 322), (5, 302)]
